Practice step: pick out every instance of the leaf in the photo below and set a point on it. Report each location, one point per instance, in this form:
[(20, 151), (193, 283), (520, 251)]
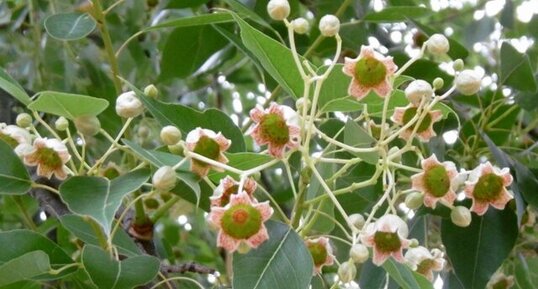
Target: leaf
[(11, 86), (323, 224), (356, 136), (99, 197), (14, 179), (345, 104), (199, 20), (516, 70), (179, 4), (282, 262), (276, 58), (108, 273), (477, 251), (69, 26), (242, 161), (334, 87), (372, 276), (398, 14), (68, 105), (406, 278), (24, 267)]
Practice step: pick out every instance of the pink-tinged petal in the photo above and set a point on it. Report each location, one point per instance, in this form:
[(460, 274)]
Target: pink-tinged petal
[(469, 190), (383, 89), (390, 65), (397, 116), (222, 159), (507, 179), (30, 159), (223, 142), (406, 134), (379, 257), (430, 201), (436, 115), (487, 168), (257, 239), (357, 90), (250, 186), (257, 136), (480, 208), (256, 114), (398, 256), (349, 66), (450, 197), (265, 210), (417, 182), (276, 150), (240, 198), (60, 173), (215, 216), (430, 162), (366, 52), (198, 168), (294, 131), (426, 135), (227, 242), (44, 171), (274, 108), (502, 200)]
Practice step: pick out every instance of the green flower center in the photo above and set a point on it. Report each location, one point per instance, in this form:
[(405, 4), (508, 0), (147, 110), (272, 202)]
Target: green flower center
[(225, 198), (387, 242), (488, 188), (275, 129), (241, 221), (436, 181), (13, 143), (425, 266), (370, 72), (318, 252), (48, 157), (208, 148), (410, 113)]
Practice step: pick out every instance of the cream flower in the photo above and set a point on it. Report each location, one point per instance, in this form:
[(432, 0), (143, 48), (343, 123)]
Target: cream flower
[(209, 144), (241, 221), (487, 186), (321, 251), (369, 71), (228, 187), (277, 127), (17, 138), (436, 182), (388, 237), (425, 262), (403, 115), (50, 156)]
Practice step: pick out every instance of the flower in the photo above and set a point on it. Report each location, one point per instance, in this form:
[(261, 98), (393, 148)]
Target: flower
[(17, 138), (468, 82), (403, 115), (437, 44), (278, 9), (128, 105), (300, 25), (436, 182), (487, 186), (50, 156), (209, 144), (369, 71), (241, 221), (277, 127), (321, 251), (329, 25), (425, 262), (228, 187), (387, 236)]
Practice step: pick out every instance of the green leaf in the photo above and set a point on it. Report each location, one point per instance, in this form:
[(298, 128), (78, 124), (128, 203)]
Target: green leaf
[(398, 14), (282, 262), (516, 70), (11, 86), (335, 86), (179, 4), (99, 197), (242, 161), (24, 267), (84, 231), (477, 251), (68, 105), (69, 26), (406, 278), (322, 224), (108, 273), (356, 136), (345, 104), (199, 20), (276, 58), (14, 179)]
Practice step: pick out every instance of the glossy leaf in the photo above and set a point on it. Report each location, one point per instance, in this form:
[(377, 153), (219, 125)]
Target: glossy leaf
[(335, 87), (398, 14), (14, 178), (24, 267), (108, 273), (356, 136), (69, 26), (406, 278), (99, 197), (179, 4), (516, 70), (8, 84), (242, 161), (282, 262), (198, 20), (68, 105)]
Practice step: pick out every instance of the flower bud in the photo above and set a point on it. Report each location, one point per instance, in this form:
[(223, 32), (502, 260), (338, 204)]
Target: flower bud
[(300, 25), (128, 105), (329, 25), (301, 102), (278, 9), (151, 91), (347, 272), (394, 150), (151, 203), (468, 82), (61, 124), (413, 243), (458, 65), (164, 179), (87, 125), (24, 120), (438, 44), (414, 200), (176, 149), (417, 90), (438, 83), (359, 253), (461, 216), (357, 220), (170, 135), (143, 132)]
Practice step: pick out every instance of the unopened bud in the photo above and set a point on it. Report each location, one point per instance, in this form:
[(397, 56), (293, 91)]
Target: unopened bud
[(347, 272), (438, 44), (301, 102), (413, 243), (176, 149), (128, 105), (151, 203), (151, 91), (24, 120), (394, 151), (357, 220), (468, 82), (458, 65), (461, 216), (164, 179), (170, 135), (359, 253), (417, 90), (87, 125), (61, 124), (438, 83), (329, 25), (414, 200), (243, 248), (278, 9), (300, 25)]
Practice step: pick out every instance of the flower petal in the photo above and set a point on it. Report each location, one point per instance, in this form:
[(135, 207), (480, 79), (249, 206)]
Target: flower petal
[(227, 242)]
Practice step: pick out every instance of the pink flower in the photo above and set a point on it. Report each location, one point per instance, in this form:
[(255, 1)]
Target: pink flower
[(369, 71), (209, 144), (487, 186), (241, 221), (50, 156), (321, 251), (18, 138), (436, 182), (425, 262), (403, 115), (277, 127), (387, 236), (228, 187)]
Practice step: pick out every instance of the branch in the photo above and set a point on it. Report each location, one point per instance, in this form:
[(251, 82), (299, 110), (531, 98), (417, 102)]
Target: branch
[(187, 267)]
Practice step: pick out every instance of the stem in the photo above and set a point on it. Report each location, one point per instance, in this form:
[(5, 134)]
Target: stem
[(164, 209), (140, 213)]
